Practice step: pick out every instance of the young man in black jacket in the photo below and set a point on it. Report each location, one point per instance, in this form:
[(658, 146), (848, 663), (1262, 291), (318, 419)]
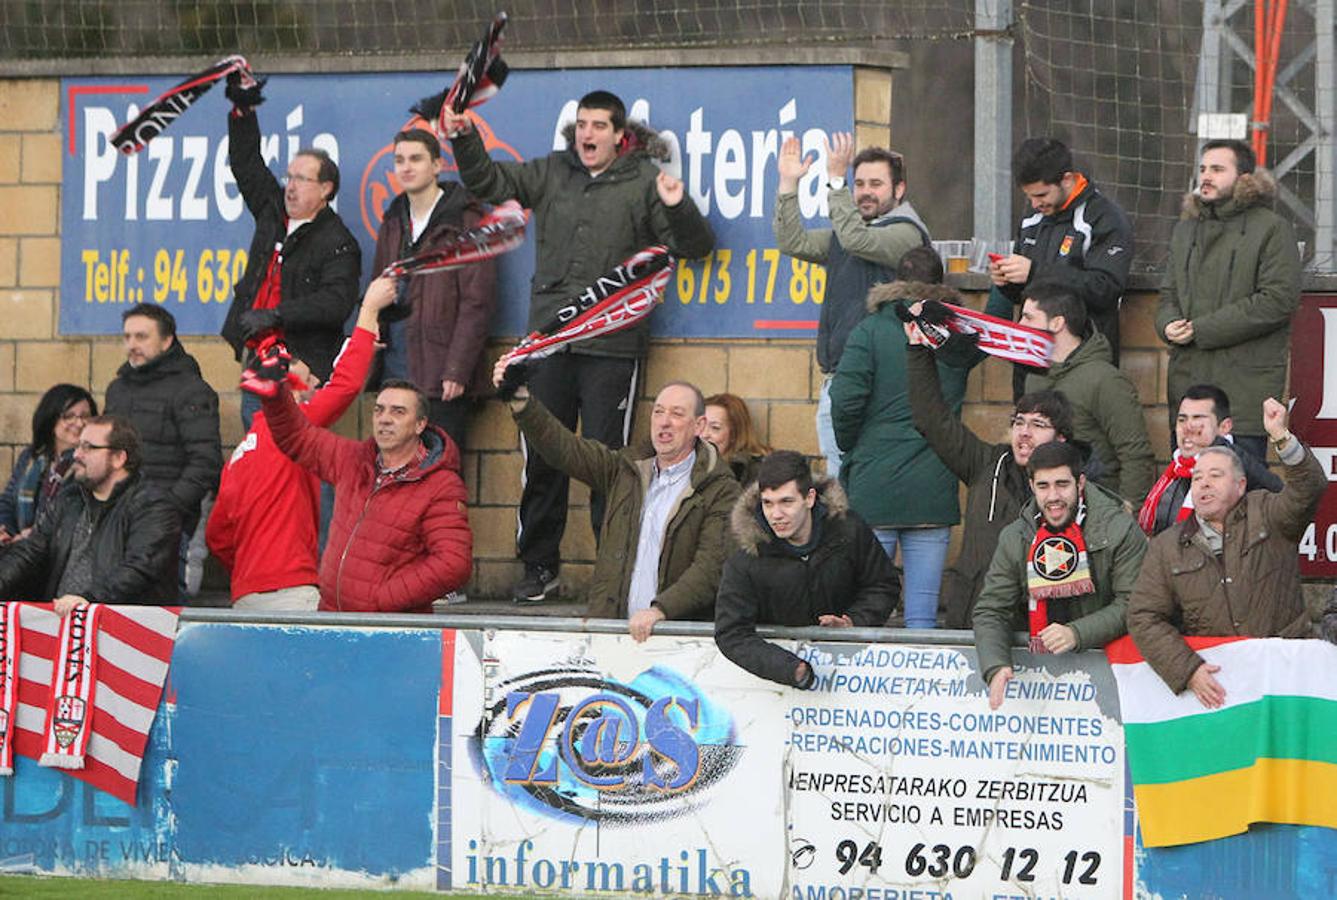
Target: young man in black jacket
[(1075, 236), (303, 268), (805, 559), (110, 536)]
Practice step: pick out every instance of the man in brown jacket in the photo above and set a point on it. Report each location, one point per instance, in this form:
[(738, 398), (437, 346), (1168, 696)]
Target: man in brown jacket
[(1232, 567), (666, 534)]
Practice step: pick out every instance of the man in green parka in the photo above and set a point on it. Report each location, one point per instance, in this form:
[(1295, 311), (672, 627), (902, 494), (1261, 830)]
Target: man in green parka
[(1062, 571), (1231, 287)]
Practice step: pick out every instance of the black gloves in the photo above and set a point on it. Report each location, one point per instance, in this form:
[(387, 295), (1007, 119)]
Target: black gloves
[(258, 324), (516, 375), (244, 95)]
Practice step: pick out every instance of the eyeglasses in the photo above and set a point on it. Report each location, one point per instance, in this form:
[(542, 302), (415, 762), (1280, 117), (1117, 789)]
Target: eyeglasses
[(84, 447), (1020, 422), (72, 414), (299, 179)]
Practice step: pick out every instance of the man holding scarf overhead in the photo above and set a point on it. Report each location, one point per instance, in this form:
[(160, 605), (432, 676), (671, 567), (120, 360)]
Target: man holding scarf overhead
[(1062, 571)]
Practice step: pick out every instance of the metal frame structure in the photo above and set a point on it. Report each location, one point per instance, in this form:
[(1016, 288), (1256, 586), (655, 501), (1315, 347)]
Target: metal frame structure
[(993, 119), (1223, 46)]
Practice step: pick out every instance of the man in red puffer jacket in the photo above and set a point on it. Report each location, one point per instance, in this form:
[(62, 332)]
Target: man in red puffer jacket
[(400, 534)]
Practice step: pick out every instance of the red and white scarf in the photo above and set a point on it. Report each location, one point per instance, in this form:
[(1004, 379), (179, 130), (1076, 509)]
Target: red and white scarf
[(1180, 467), (9, 683), (1057, 568), (69, 712), (153, 120), (997, 337), (616, 300), (498, 232)]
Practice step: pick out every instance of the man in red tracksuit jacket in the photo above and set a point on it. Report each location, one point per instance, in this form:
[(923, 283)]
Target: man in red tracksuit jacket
[(400, 536), (264, 523)]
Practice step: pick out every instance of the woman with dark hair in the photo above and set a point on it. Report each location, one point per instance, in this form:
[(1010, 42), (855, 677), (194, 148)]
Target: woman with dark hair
[(729, 428), (42, 465)]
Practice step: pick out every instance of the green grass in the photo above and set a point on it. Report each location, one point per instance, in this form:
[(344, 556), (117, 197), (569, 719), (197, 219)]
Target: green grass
[(35, 886)]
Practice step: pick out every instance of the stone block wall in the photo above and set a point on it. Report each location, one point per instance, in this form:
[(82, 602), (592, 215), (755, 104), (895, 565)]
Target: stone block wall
[(778, 377)]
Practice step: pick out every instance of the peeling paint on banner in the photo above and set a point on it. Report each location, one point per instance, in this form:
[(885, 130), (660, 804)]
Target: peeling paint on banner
[(591, 763)]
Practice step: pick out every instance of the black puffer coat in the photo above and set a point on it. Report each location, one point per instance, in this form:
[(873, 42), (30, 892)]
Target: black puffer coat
[(135, 546), (176, 414), (847, 573)]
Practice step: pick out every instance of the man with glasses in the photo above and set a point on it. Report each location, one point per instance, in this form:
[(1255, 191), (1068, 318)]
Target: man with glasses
[(304, 264), (997, 486), (872, 226), (110, 536)]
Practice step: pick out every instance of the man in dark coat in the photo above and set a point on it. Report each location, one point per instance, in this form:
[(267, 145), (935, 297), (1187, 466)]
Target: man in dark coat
[(1075, 236), (1230, 289), (447, 312), (805, 558), (595, 203), (175, 413), (304, 264), (110, 536), (1231, 568)]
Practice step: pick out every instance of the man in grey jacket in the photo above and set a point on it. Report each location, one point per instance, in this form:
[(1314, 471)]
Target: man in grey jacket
[(871, 228)]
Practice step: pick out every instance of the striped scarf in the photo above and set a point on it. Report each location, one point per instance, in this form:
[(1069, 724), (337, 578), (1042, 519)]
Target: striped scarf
[(1180, 467)]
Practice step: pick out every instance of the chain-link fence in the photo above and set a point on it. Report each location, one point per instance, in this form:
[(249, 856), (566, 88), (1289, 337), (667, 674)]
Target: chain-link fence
[(1115, 79), (84, 28)]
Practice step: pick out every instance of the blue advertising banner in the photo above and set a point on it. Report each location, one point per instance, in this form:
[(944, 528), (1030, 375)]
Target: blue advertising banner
[(168, 225)]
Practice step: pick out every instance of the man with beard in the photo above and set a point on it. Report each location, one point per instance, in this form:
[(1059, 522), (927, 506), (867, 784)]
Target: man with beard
[(595, 203), (1230, 289), (110, 536), (871, 229), (1203, 421), (1232, 568), (1074, 236), (1062, 571)]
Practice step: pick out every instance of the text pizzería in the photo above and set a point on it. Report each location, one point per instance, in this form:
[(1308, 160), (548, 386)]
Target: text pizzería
[(956, 788)]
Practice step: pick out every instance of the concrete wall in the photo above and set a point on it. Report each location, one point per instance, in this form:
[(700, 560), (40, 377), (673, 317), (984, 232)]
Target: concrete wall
[(779, 377)]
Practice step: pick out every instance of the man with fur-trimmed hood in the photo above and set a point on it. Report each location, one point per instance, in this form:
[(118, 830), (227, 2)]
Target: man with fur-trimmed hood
[(805, 559), (595, 203), (1231, 287), (894, 479)]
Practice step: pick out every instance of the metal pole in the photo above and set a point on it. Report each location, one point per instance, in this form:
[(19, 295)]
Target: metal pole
[(993, 119), (1325, 161)]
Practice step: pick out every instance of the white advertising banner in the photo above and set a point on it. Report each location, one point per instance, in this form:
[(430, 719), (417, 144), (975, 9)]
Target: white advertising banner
[(582, 764)]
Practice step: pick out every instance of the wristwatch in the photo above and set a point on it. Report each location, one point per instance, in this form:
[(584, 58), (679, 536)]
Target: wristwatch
[(1282, 441), (836, 183)]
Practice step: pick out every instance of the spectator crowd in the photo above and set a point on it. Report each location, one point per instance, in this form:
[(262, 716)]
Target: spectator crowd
[(1069, 534)]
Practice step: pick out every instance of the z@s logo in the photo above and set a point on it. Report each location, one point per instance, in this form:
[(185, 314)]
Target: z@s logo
[(571, 744)]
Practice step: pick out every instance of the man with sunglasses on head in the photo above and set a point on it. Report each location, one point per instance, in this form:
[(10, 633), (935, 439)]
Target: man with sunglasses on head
[(997, 484), (304, 265), (872, 226), (110, 536)]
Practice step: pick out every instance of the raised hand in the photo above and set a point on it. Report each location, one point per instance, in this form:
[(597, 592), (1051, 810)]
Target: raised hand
[(670, 189), (839, 152), (792, 165), (1274, 418)]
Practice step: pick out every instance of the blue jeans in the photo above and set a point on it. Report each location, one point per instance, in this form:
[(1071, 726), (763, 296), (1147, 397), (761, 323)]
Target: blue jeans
[(826, 434), (923, 554)]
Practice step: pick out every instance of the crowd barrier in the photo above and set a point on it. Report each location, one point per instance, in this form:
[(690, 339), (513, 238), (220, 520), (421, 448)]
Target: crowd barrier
[(519, 755)]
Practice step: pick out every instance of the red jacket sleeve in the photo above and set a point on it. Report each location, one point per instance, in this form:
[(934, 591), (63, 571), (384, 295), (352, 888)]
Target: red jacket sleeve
[(350, 374), (323, 452)]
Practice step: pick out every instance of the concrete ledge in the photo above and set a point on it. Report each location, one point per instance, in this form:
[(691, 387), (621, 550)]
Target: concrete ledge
[(639, 58)]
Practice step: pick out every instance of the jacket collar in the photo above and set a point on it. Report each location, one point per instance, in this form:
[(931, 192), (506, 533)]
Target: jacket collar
[(752, 537), (1256, 188)]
